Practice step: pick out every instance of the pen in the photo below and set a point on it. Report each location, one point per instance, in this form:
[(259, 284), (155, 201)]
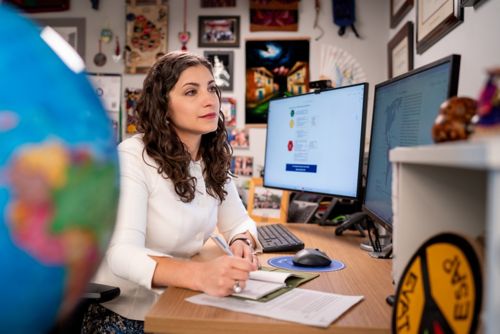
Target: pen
[(219, 241)]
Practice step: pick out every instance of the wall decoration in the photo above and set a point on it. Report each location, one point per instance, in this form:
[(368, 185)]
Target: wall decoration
[(274, 15), (72, 30), (217, 3), (146, 26), (228, 107), (222, 64), (400, 51), (39, 6), (274, 68), (108, 88), (266, 204), (241, 165), (131, 98), (218, 31), (399, 8), (239, 138), (435, 19), (340, 67)]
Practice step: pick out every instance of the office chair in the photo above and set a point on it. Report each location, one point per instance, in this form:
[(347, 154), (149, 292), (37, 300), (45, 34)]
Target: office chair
[(95, 293)]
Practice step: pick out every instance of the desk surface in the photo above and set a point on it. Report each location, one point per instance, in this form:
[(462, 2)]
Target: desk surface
[(362, 275)]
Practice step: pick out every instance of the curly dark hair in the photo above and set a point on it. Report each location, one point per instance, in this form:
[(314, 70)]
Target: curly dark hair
[(162, 143)]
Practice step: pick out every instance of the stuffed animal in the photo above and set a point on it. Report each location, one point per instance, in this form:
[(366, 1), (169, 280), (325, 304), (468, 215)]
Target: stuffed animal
[(454, 121)]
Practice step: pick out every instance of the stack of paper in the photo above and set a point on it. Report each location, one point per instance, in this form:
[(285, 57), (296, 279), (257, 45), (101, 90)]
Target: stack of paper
[(307, 307)]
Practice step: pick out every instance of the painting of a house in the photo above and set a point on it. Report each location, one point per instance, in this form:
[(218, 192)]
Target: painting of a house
[(273, 69)]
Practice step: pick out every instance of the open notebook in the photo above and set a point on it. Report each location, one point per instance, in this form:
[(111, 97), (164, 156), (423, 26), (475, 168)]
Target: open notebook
[(268, 283)]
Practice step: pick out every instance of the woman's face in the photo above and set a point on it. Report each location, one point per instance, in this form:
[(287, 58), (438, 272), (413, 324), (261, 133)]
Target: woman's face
[(194, 104)]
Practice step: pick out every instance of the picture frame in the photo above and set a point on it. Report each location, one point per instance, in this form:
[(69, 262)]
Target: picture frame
[(228, 108), (274, 15), (267, 205), (239, 139), (435, 19), (219, 31), (72, 30), (399, 8), (217, 3), (241, 165), (222, 65), (400, 51), (284, 72)]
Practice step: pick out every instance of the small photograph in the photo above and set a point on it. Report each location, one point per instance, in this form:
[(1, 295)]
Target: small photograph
[(239, 138), (222, 65), (218, 31), (241, 165), (131, 98), (265, 204), (228, 108)]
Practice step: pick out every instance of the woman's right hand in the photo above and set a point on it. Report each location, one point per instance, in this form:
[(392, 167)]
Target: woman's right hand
[(217, 277)]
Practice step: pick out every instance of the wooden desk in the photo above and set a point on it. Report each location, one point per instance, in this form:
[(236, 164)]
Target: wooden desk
[(362, 275)]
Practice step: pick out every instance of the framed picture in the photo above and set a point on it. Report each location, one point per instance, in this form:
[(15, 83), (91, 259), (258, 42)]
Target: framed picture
[(242, 165), (400, 51), (399, 8), (436, 18), (265, 204), (217, 3), (228, 107), (132, 96), (72, 30), (273, 68), (146, 34), (274, 15), (222, 64), (40, 6), (219, 31), (239, 138)]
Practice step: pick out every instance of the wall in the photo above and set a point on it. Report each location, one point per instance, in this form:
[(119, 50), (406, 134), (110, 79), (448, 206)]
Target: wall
[(476, 40), (370, 51)]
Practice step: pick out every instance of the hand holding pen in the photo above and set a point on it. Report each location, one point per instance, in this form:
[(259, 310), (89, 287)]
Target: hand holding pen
[(221, 243)]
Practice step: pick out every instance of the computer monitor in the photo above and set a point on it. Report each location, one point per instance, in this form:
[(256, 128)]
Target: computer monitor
[(315, 142), (404, 111)]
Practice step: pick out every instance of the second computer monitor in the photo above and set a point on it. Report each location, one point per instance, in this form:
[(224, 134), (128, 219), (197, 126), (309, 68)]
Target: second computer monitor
[(315, 142), (404, 111)]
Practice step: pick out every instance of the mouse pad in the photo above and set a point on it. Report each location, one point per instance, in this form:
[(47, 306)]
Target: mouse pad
[(285, 262)]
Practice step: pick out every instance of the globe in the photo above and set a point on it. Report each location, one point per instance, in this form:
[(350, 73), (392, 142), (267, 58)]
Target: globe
[(58, 180)]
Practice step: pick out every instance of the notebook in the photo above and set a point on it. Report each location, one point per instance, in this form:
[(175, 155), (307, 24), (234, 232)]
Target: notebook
[(268, 283)]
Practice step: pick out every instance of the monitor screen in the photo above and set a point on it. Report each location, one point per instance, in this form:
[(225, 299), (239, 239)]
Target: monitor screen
[(315, 142), (404, 111)]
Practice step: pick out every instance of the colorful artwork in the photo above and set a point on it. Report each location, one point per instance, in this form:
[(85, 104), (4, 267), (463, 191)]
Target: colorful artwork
[(241, 165), (274, 68), (228, 108), (239, 138), (146, 34), (131, 98), (274, 15)]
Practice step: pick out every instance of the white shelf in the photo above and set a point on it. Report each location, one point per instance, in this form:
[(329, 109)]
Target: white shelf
[(452, 187), (480, 153)]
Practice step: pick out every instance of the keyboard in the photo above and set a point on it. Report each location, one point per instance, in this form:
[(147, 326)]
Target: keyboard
[(277, 238), (301, 211)]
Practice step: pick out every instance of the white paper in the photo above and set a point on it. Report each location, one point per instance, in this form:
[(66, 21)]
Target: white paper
[(304, 306), (261, 283)]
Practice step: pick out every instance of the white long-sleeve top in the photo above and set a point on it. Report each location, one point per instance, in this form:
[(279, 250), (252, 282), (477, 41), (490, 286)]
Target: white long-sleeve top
[(152, 220)]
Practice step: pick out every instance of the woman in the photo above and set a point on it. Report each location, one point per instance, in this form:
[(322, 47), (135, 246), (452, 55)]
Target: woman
[(175, 189)]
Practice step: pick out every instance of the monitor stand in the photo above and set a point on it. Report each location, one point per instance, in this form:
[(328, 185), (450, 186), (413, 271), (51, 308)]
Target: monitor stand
[(324, 216)]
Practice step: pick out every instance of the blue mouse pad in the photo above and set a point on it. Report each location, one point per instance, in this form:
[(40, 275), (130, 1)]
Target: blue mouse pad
[(285, 262)]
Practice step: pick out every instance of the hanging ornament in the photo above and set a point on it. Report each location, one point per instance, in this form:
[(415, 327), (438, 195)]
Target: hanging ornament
[(343, 16), (317, 7), (106, 35), (184, 35), (118, 52)]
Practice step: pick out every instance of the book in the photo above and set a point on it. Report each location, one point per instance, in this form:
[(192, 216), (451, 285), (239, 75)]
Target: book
[(268, 283)]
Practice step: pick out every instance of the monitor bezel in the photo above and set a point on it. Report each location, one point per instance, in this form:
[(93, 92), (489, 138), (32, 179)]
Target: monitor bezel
[(359, 187), (454, 60)]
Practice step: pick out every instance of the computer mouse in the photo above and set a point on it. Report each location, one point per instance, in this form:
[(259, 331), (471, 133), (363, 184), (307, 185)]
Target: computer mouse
[(311, 257)]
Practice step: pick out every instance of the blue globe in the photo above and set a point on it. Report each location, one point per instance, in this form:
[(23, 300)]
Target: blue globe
[(58, 180)]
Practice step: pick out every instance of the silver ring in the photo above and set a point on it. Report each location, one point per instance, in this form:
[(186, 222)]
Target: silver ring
[(237, 287)]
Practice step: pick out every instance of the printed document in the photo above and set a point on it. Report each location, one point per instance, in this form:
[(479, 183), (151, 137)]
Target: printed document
[(304, 306)]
